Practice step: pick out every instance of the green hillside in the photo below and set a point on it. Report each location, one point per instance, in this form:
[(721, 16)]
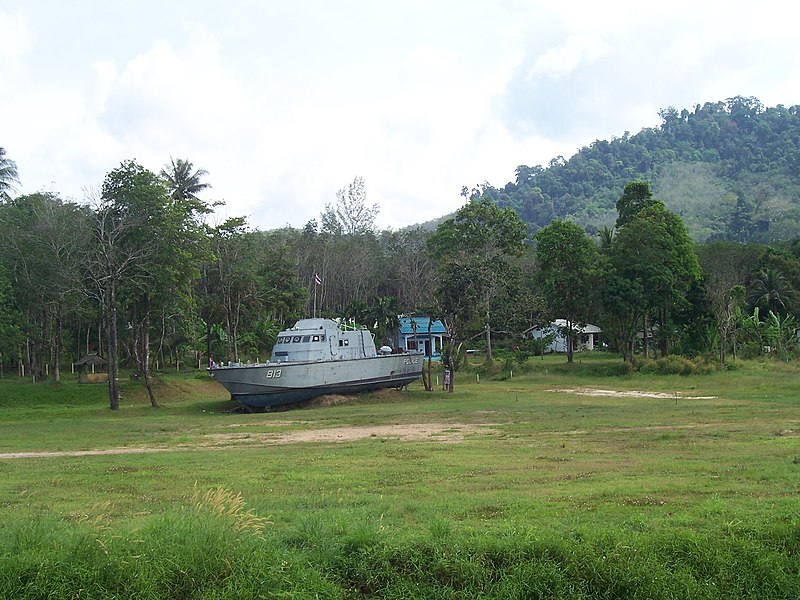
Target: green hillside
[(730, 169)]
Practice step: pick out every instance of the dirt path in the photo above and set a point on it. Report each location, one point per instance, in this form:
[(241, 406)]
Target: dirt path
[(628, 394), (436, 432)]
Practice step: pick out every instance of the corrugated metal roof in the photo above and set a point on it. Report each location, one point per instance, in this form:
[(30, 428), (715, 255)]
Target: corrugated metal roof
[(421, 324), (91, 359)]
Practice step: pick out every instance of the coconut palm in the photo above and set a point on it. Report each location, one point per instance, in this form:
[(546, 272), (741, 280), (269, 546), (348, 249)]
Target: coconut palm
[(184, 183), (606, 238), (8, 175), (770, 289)]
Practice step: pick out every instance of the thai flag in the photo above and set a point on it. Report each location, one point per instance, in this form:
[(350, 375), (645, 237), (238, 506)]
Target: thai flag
[(317, 279)]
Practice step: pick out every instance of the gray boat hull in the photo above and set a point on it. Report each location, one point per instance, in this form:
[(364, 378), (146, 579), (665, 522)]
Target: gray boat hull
[(281, 383)]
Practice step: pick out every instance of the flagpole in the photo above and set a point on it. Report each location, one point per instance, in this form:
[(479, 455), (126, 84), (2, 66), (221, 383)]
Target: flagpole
[(317, 283)]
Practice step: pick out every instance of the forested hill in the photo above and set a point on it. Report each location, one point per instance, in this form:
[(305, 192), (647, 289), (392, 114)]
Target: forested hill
[(730, 169)]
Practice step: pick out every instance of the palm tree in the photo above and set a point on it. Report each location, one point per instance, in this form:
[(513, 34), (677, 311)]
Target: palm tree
[(384, 312), (184, 183), (771, 289), (606, 238), (8, 175)]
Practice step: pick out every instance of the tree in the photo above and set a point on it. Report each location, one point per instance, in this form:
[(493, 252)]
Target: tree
[(350, 215), (605, 238), (8, 175), (771, 290), (147, 244), (383, 315), (726, 266), (411, 268), (621, 303), (184, 183), (109, 262), (654, 253), (253, 288), (44, 245), (474, 250), (635, 197), (10, 333), (567, 261)]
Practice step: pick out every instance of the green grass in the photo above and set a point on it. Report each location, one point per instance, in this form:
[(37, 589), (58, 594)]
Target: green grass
[(525, 490)]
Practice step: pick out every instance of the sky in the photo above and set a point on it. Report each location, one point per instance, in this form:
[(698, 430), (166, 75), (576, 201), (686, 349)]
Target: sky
[(284, 103)]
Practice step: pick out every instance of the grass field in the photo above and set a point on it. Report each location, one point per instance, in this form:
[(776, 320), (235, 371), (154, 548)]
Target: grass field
[(531, 486)]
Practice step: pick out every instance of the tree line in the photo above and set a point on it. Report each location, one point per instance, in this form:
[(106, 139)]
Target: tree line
[(649, 286), (139, 274)]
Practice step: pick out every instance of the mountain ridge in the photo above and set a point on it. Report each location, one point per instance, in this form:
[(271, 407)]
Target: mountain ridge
[(730, 169)]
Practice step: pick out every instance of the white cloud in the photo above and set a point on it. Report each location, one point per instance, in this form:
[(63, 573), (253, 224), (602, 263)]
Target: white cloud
[(14, 38), (285, 104), (564, 59)]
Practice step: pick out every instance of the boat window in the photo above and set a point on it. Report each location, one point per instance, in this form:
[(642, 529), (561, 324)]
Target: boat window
[(306, 338), (314, 338), (296, 339)]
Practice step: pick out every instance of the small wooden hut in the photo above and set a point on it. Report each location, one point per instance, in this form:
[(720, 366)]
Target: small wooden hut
[(92, 369)]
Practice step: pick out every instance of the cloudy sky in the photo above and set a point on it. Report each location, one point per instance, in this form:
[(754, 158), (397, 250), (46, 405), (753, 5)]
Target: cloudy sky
[(283, 103)]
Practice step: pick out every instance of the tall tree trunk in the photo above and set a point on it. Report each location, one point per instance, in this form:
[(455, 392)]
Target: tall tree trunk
[(645, 348), (113, 347), (428, 381), (28, 361), (143, 349), (208, 340), (56, 372), (145, 341), (568, 335), (229, 327)]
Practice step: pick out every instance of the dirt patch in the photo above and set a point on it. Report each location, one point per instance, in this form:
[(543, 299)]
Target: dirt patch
[(629, 394), (440, 432), (78, 453), (434, 432)]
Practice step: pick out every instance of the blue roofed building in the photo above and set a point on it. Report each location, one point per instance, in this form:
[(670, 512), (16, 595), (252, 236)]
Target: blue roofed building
[(413, 333)]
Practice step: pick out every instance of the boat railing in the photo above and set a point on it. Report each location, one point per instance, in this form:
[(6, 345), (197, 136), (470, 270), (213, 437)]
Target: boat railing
[(350, 325)]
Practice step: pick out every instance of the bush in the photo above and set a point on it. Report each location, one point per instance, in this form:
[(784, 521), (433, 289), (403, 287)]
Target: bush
[(675, 365)]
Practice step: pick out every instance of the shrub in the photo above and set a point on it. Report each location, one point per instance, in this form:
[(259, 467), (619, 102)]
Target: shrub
[(675, 365)]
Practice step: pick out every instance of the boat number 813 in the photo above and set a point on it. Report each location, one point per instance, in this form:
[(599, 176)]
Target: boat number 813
[(273, 374)]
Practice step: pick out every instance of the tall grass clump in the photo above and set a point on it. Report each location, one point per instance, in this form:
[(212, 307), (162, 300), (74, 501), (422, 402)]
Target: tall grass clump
[(212, 549), (676, 365), (530, 565), (204, 554)]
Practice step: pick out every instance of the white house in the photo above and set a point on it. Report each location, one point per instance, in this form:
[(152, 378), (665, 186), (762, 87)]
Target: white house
[(587, 335)]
